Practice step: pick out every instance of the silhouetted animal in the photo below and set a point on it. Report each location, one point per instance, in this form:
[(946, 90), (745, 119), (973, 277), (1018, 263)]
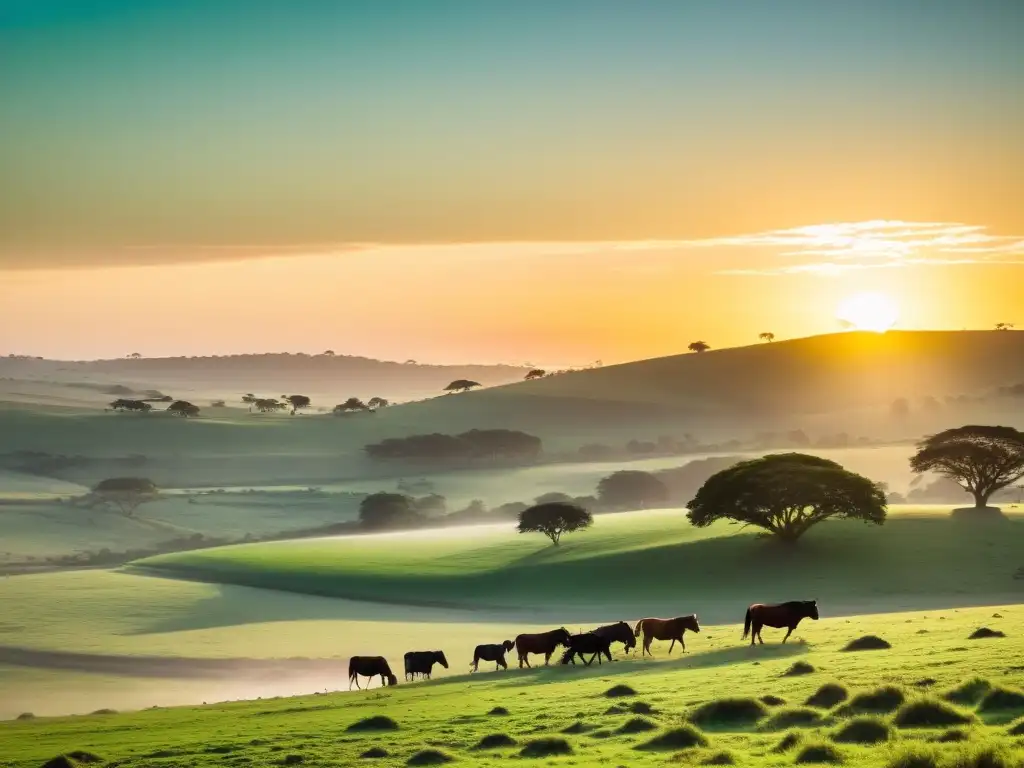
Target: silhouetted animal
[(370, 666), (422, 662), (617, 633), (587, 643), (493, 652), (666, 629), (778, 616), (544, 643)]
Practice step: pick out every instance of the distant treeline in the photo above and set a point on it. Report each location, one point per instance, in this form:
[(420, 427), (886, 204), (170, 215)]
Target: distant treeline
[(475, 444)]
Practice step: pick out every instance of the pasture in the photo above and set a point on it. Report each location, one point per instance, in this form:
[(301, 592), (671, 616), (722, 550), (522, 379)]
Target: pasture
[(689, 710)]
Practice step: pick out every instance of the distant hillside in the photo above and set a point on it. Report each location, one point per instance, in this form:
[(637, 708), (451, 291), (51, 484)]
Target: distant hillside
[(328, 379)]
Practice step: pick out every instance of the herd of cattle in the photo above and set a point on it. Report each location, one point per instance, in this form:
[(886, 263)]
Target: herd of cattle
[(595, 644)]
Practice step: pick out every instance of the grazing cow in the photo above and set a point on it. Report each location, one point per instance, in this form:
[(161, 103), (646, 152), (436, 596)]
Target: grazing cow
[(587, 643), (492, 652), (422, 662), (619, 632), (778, 616), (370, 666), (666, 629), (544, 643)]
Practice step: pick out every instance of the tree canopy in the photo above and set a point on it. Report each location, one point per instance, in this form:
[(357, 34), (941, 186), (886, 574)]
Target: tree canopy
[(536, 373), (377, 402), (352, 404), (698, 346), (981, 459), (786, 494), (388, 510), (631, 489), (126, 493), (297, 402), (139, 406), (553, 519), (183, 408), (461, 385), (766, 336)]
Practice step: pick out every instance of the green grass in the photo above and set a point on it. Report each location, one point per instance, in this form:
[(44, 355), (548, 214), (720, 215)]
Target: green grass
[(449, 715), (845, 566)]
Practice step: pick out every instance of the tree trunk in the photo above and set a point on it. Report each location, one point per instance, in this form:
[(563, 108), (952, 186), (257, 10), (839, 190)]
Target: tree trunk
[(981, 499)]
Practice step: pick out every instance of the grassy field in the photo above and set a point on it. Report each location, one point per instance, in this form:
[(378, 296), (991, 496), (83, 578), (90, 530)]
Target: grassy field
[(651, 562), (711, 697)]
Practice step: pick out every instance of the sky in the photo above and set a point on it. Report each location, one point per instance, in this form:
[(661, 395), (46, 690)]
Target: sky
[(483, 180)]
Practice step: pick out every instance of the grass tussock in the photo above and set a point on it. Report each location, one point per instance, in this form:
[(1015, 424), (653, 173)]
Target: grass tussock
[(953, 736), (863, 730), (828, 696), (615, 709), (888, 698), (719, 758), (105, 711), (819, 753), (576, 728), (498, 712), (73, 759), (914, 757), (429, 757), (637, 725), (868, 643), (293, 760), (772, 700), (375, 723), (619, 691), (675, 739), (1000, 698), (930, 713), (495, 741), (1016, 728), (982, 633), (733, 711), (374, 753), (794, 717), (641, 708), (787, 742), (25, 716), (799, 668), (983, 757), (547, 747), (969, 692)]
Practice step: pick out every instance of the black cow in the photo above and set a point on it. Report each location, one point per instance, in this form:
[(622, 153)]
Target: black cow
[(422, 662), (585, 644)]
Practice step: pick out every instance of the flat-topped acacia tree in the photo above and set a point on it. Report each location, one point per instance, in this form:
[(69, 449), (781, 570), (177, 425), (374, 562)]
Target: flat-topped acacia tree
[(126, 493), (786, 494), (462, 385)]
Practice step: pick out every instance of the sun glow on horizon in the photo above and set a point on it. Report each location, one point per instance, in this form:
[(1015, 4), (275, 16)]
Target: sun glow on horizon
[(868, 311)]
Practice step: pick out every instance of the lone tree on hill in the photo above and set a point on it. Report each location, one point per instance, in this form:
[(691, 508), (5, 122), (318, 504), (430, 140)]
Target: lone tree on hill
[(377, 402), (183, 408), (126, 493), (536, 373), (388, 510), (631, 489), (766, 336), (787, 493), (352, 404), (461, 385), (297, 402), (699, 346), (981, 459), (554, 519)]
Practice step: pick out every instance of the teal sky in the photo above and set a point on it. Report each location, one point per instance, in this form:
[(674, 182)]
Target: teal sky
[(276, 124)]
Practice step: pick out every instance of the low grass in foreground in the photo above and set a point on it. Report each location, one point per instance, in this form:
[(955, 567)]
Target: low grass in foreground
[(694, 710)]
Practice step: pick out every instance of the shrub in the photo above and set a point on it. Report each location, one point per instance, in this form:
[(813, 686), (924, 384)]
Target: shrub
[(868, 643), (827, 696), (498, 712), (819, 753), (375, 723), (787, 742), (374, 753), (984, 632), (26, 716), (720, 758), (885, 699), (495, 741), (548, 747), (1001, 698), (968, 692), (772, 700), (798, 668), (429, 757), (731, 711), (863, 730), (683, 737), (793, 717), (637, 725), (618, 691), (930, 713)]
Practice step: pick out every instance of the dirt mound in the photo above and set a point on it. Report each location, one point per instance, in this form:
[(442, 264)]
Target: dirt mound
[(930, 713), (863, 730), (637, 725), (618, 691), (549, 747), (983, 632), (827, 696), (495, 741), (868, 643), (375, 723), (819, 753), (799, 668), (674, 739), (729, 712), (429, 757)]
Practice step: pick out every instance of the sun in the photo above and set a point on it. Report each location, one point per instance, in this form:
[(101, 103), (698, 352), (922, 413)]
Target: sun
[(868, 312)]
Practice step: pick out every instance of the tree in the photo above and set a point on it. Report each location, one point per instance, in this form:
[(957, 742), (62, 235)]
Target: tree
[(536, 373), (461, 385), (122, 404), (352, 404), (551, 497), (297, 402), (554, 519), (388, 510), (135, 356), (218, 404), (183, 408), (126, 493), (631, 489), (699, 346), (1004, 326), (269, 405), (786, 494), (328, 353), (766, 336), (377, 402), (981, 459)]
